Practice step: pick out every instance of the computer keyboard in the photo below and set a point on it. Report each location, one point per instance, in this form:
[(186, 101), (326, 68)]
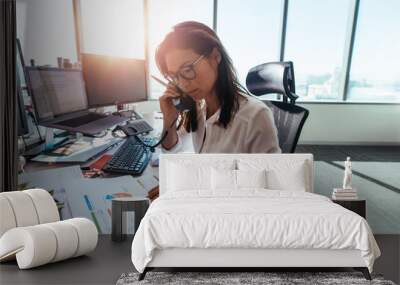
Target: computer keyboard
[(79, 121), (131, 158)]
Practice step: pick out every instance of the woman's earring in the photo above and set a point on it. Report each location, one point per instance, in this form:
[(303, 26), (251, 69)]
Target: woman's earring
[(219, 58)]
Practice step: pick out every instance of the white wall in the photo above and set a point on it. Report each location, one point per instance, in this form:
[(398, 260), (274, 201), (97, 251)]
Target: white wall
[(46, 30), (352, 124)]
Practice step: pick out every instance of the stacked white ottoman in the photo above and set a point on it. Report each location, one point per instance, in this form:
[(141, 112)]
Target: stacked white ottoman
[(31, 230)]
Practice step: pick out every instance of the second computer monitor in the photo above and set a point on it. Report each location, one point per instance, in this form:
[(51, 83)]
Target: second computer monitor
[(113, 80), (56, 91)]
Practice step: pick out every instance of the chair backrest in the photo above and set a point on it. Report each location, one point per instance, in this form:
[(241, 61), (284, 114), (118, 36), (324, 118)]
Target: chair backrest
[(278, 77), (289, 120), (273, 77)]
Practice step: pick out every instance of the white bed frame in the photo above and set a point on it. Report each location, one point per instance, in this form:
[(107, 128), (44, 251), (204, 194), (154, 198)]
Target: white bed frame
[(234, 257), (251, 258)]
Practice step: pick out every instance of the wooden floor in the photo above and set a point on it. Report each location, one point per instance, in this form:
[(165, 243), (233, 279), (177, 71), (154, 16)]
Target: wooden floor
[(375, 175), (110, 260), (102, 266)]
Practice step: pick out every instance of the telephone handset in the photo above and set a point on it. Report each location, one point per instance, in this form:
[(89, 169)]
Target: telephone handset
[(184, 102)]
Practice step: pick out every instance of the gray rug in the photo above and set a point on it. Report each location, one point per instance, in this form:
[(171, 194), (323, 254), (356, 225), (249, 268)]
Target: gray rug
[(229, 278)]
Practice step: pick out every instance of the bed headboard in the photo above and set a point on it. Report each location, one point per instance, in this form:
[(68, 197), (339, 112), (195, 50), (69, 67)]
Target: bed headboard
[(287, 164)]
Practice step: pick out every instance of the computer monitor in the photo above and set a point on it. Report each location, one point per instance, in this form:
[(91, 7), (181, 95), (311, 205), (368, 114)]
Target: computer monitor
[(113, 80), (22, 121), (56, 91)]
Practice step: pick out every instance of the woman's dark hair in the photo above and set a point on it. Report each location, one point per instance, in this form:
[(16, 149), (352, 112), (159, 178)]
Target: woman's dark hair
[(202, 39)]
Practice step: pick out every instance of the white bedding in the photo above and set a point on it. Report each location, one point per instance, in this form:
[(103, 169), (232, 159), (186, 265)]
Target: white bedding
[(251, 218)]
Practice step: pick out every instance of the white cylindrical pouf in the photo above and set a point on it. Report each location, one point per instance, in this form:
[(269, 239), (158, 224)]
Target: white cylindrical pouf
[(7, 218), (36, 245), (45, 206), (31, 232), (87, 234), (67, 239), (23, 208)]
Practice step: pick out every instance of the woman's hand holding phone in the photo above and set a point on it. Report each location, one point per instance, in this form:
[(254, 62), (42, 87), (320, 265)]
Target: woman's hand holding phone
[(170, 114), (167, 106)]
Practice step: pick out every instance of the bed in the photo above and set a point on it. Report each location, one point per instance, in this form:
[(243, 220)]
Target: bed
[(247, 210)]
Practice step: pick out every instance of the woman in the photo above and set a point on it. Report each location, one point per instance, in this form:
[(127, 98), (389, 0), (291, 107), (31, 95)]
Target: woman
[(223, 118)]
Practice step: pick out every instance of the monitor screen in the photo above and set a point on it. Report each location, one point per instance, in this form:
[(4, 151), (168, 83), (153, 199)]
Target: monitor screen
[(113, 80), (56, 91), (22, 121)]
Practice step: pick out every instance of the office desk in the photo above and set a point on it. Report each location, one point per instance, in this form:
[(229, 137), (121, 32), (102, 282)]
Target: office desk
[(91, 197), (154, 119)]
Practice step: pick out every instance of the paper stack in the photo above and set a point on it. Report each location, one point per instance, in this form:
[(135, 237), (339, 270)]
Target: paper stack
[(344, 194)]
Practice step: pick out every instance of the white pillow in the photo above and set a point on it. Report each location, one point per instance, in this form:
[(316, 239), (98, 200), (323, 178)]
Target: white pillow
[(251, 178), (283, 174), (293, 179), (188, 175), (226, 179), (223, 179)]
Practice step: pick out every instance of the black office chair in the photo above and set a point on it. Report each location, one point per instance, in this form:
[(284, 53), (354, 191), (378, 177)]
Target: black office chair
[(278, 78)]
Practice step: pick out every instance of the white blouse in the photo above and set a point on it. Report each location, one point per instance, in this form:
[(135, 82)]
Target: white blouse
[(251, 130)]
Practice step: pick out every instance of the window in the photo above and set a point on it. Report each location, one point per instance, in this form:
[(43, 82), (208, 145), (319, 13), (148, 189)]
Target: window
[(114, 28), (250, 32), (315, 40), (162, 16), (45, 40), (375, 68)]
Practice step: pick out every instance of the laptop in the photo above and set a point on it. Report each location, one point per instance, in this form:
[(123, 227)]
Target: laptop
[(60, 101)]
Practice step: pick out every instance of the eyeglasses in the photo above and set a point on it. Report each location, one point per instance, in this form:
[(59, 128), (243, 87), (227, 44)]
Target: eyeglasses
[(187, 72)]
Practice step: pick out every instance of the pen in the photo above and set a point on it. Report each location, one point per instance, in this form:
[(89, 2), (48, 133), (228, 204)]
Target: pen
[(159, 81), (165, 84)]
